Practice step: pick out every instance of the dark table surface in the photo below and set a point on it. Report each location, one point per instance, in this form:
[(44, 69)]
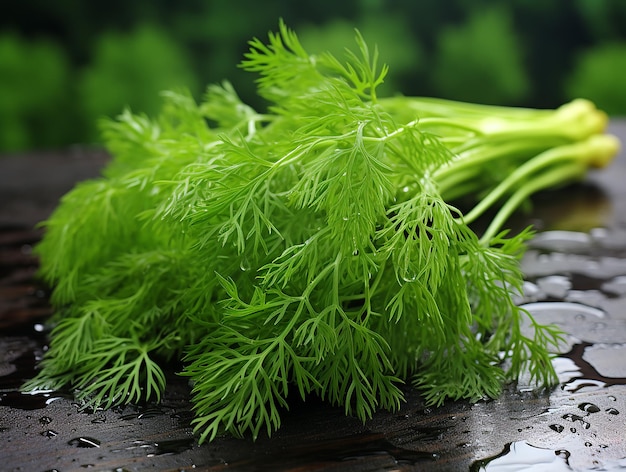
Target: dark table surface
[(576, 273)]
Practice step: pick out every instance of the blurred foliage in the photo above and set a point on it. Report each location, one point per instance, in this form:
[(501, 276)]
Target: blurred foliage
[(66, 63), (481, 60), (131, 70), (605, 19), (33, 93), (599, 76), (390, 34)]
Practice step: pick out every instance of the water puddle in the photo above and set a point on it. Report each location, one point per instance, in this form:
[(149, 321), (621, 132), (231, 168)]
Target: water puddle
[(27, 401), (568, 310), (520, 456), (597, 241), (597, 255), (582, 367), (563, 241), (577, 282)]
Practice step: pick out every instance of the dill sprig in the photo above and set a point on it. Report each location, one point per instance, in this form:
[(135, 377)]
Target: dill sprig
[(312, 249)]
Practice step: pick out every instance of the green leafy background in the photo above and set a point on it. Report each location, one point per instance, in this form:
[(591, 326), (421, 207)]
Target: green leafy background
[(65, 64)]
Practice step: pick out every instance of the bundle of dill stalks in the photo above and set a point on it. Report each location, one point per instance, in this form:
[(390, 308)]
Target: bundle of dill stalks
[(309, 250)]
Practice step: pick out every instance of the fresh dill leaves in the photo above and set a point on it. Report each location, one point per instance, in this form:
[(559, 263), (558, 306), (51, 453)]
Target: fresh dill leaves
[(312, 249)]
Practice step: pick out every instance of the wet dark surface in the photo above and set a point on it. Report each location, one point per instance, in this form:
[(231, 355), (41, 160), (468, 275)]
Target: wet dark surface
[(576, 278)]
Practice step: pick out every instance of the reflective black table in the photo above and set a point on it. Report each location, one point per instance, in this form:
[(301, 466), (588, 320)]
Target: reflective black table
[(576, 277)]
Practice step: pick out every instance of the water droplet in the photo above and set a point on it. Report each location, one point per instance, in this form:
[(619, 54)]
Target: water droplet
[(576, 419), (45, 420), (84, 441), (409, 277), (244, 265), (598, 326), (588, 444), (151, 412), (612, 411), (49, 433), (589, 407), (612, 398), (99, 419), (557, 427), (562, 453), (172, 446)]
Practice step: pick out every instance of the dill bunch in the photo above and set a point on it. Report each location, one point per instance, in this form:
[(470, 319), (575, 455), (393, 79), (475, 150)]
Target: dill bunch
[(311, 249)]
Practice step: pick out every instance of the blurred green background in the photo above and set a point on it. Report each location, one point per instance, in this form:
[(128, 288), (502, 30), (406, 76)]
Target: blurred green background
[(67, 63)]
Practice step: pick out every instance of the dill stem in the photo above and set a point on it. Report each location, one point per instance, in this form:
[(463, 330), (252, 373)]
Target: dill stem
[(547, 158), (471, 161), (555, 176)]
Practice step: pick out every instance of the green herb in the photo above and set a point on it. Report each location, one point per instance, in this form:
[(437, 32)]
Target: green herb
[(309, 250)]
